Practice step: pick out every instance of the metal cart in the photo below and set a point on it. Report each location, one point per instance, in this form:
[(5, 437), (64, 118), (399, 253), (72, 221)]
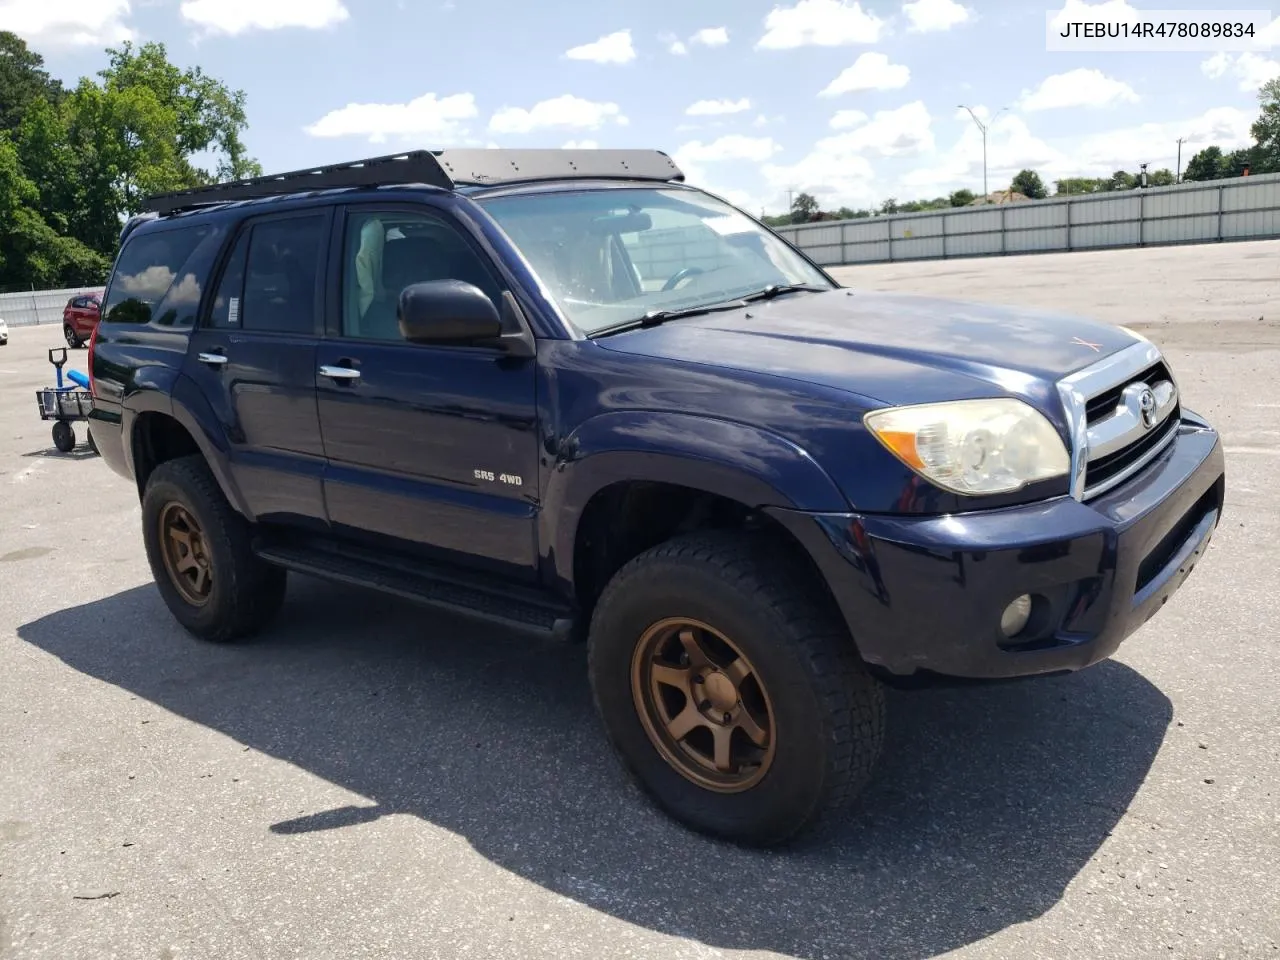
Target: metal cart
[(65, 403)]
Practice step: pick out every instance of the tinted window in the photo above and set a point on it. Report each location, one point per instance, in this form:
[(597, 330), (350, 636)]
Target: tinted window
[(226, 307), (387, 251), (155, 278), (280, 276)]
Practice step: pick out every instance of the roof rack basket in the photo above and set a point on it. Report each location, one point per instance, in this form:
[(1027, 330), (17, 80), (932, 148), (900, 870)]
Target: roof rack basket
[(445, 169)]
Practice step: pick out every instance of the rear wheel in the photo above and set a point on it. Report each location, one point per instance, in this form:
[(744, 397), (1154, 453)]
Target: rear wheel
[(731, 691), (200, 555)]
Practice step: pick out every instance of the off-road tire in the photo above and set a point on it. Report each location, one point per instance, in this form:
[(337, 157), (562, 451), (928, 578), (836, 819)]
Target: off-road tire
[(830, 712), (246, 592)]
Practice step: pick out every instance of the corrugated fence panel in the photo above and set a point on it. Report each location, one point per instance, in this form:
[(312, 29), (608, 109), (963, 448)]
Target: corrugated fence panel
[(1182, 203), (862, 231), (826, 254), (1182, 230), (978, 221), (1106, 211), (1254, 224), (1118, 234), (1033, 241), (972, 244), (1250, 196), (1035, 217), (875, 252), (915, 249), (917, 227)]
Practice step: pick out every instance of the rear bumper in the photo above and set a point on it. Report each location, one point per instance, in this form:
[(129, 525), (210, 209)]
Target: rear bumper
[(926, 594)]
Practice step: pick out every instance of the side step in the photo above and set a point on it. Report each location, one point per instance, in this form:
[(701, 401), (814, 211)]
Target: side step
[(511, 606)]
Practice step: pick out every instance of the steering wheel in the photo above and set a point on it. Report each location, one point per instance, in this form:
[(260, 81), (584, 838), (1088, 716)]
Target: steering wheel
[(679, 275)]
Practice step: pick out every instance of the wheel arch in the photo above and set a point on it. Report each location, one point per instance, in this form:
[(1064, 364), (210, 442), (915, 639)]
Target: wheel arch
[(631, 481)]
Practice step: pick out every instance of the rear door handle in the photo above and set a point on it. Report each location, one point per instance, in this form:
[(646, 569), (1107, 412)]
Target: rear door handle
[(340, 373), (216, 359)]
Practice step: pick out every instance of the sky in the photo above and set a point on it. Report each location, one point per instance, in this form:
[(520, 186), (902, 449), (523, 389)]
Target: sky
[(854, 101)]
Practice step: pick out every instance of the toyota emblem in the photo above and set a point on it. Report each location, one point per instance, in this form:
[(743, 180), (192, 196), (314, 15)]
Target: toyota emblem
[(1147, 407)]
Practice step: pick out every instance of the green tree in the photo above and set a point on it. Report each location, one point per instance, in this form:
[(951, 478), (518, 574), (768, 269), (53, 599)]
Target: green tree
[(33, 254), (962, 198), (803, 208), (1029, 184), (1266, 129), (1205, 165), (1161, 178), (1076, 186), (23, 80)]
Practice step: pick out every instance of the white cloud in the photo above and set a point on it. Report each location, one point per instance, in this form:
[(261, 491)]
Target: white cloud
[(871, 71), (710, 108), (613, 48), (837, 168), (678, 48), (563, 111), (1156, 143), (67, 23), (1109, 11), (233, 17), (930, 15), (580, 145), (820, 23), (844, 119), (691, 157), (732, 147), (426, 116), (1082, 87), (1252, 70), (711, 37), (1011, 146)]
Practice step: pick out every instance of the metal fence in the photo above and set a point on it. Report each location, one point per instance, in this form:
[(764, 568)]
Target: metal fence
[(38, 306), (1246, 208)]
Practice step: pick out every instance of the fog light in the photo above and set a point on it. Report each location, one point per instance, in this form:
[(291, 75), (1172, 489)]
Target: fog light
[(1015, 616)]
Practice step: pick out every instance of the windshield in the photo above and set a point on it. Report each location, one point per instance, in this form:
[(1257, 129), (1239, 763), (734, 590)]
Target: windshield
[(609, 256)]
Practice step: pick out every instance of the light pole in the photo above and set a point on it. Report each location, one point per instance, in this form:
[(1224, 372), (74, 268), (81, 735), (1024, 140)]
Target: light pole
[(1178, 177), (983, 127)]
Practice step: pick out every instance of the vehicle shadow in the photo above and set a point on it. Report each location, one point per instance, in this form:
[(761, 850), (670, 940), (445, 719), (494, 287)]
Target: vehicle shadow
[(988, 802)]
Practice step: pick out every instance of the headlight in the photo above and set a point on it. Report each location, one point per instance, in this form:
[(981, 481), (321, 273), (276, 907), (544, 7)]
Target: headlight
[(973, 446)]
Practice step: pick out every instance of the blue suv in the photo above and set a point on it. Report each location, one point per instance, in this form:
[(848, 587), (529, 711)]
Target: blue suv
[(565, 392)]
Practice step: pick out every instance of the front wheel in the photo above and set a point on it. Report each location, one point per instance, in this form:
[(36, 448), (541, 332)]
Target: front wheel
[(731, 691), (201, 558), (72, 340)]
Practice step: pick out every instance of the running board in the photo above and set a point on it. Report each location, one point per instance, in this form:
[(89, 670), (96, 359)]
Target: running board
[(516, 608)]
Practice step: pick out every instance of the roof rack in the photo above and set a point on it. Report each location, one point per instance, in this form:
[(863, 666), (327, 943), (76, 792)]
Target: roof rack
[(446, 169)]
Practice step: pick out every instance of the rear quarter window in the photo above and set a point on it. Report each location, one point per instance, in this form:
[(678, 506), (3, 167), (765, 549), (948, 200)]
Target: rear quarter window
[(160, 276)]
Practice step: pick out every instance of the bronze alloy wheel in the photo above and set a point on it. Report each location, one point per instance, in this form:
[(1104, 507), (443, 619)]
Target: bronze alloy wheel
[(186, 556), (703, 705)]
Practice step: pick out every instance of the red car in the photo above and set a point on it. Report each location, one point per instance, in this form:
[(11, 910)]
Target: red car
[(79, 317)]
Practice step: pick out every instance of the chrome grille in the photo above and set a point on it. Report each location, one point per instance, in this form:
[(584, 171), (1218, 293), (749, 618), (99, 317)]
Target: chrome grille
[(1124, 411)]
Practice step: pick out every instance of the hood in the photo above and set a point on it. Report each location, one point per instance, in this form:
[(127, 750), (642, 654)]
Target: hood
[(894, 348)]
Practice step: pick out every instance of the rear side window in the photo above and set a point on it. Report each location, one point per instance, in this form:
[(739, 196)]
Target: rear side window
[(269, 284), (159, 276)]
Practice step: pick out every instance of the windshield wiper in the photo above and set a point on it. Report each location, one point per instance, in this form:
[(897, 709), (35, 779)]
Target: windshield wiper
[(655, 317), (777, 289)]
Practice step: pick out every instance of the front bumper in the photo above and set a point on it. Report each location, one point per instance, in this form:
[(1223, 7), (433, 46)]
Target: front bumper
[(926, 593)]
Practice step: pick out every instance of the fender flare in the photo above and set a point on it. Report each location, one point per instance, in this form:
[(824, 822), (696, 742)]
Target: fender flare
[(174, 395), (722, 457)]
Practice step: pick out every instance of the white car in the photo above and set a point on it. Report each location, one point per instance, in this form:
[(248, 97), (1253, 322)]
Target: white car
[(4, 332)]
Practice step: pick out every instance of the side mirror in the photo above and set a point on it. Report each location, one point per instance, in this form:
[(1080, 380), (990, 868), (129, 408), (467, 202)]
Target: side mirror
[(447, 311)]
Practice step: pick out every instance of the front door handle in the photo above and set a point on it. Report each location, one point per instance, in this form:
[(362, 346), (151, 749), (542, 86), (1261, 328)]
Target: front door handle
[(216, 359), (340, 373)]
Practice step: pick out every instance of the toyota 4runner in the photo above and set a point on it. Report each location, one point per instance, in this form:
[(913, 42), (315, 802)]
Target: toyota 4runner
[(565, 392)]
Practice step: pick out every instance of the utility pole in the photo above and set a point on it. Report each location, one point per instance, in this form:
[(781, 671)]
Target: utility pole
[(986, 192), (1178, 177)]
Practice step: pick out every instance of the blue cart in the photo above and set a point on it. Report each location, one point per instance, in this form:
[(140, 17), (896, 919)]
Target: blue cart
[(65, 403)]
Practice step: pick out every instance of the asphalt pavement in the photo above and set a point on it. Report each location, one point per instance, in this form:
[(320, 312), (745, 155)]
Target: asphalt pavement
[(370, 779)]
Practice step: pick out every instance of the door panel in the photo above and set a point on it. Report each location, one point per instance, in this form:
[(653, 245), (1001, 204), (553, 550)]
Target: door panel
[(433, 446), (254, 357)]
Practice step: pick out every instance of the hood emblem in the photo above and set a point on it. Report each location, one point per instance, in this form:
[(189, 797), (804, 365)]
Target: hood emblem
[(1095, 347), (1147, 407)]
